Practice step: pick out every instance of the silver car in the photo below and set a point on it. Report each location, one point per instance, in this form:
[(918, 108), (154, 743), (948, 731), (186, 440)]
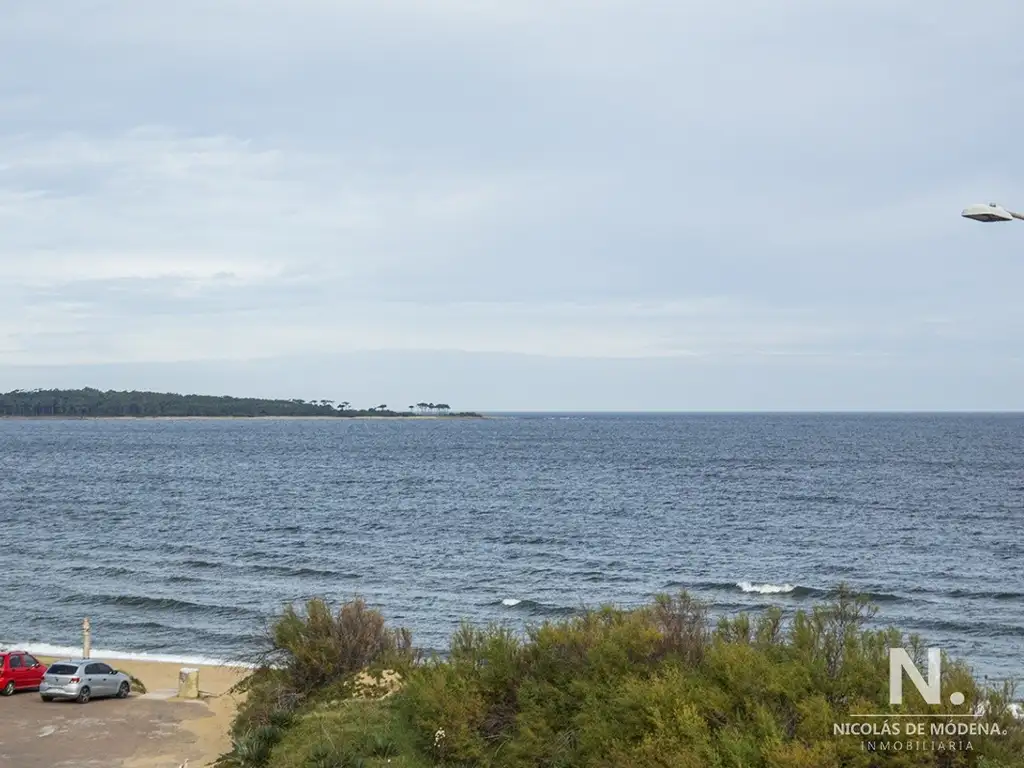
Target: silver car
[(83, 679)]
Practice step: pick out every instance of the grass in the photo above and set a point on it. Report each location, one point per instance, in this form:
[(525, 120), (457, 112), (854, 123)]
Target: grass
[(655, 686), (137, 685)]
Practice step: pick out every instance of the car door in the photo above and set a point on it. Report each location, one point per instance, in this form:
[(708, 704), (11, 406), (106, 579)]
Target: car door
[(16, 668), (34, 671), (106, 673), (95, 679)]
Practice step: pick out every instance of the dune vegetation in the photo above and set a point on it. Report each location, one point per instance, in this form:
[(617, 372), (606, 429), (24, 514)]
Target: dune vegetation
[(660, 685)]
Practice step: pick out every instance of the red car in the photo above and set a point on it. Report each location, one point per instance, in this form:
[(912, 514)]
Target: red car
[(19, 672)]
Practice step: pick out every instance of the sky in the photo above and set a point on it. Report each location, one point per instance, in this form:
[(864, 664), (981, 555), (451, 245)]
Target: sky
[(538, 205)]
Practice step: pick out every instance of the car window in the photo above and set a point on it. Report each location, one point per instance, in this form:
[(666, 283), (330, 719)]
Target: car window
[(103, 669), (62, 669), (31, 661), (93, 669), (15, 661)]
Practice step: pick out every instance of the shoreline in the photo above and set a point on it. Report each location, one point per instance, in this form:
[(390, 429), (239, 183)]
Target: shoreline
[(52, 651)]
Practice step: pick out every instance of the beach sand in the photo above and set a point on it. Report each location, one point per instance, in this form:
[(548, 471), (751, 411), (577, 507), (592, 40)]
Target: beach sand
[(155, 729), (210, 730)]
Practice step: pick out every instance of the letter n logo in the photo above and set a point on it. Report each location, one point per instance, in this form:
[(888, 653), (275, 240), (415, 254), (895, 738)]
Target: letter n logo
[(900, 662)]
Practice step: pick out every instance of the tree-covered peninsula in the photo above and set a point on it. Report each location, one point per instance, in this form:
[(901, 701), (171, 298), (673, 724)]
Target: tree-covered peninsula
[(94, 403)]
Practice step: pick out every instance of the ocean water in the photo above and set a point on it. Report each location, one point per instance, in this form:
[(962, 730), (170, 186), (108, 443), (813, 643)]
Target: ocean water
[(179, 538)]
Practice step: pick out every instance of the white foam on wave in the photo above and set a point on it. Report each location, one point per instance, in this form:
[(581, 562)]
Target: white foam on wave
[(765, 589), (72, 652), (510, 601)]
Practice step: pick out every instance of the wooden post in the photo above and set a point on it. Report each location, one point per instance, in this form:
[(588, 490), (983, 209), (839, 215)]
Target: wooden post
[(85, 638)]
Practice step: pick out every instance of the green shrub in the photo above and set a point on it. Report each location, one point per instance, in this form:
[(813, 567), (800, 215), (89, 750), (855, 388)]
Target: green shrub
[(368, 733), (137, 685), (252, 749), (307, 655), (318, 647), (654, 686)]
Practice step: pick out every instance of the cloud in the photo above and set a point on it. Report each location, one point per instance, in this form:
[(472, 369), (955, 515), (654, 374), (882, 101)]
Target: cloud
[(151, 203), (777, 181)]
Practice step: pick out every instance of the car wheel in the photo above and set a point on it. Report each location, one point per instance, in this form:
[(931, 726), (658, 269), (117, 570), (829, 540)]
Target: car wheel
[(122, 691), (9, 688), (83, 695)]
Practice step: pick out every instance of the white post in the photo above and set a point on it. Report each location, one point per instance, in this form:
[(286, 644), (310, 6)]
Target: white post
[(188, 683), (85, 638)]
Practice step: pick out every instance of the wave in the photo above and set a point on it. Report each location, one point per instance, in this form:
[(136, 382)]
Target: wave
[(534, 607), (749, 587), (816, 498), (156, 603), (987, 595), (193, 563), (965, 628), (785, 588), (518, 538), (206, 565), (878, 597), (284, 570), (606, 578), (971, 594), (66, 651), (197, 635), (88, 571), (766, 589)]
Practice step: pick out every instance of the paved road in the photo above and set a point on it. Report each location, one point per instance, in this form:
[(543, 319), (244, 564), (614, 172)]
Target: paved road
[(100, 734)]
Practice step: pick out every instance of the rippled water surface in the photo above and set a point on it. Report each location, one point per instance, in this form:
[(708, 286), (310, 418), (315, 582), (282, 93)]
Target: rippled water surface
[(177, 537)]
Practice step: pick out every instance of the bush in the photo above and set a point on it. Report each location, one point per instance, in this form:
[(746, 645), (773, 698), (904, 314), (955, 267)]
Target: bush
[(137, 685), (318, 648), (305, 655), (654, 686), (366, 733)]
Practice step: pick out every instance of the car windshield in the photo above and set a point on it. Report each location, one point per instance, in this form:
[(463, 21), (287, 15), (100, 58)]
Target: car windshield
[(62, 669)]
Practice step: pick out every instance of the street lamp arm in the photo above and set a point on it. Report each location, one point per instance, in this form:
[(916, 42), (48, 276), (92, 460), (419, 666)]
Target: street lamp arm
[(990, 212)]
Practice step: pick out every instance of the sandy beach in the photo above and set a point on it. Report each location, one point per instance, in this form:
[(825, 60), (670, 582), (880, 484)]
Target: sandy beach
[(210, 729), (151, 730)]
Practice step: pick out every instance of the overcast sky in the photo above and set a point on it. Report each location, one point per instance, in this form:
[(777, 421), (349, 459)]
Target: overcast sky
[(539, 204)]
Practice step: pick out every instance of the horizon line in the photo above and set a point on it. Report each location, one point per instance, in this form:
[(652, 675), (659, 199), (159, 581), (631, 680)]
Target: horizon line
[(743, 412)]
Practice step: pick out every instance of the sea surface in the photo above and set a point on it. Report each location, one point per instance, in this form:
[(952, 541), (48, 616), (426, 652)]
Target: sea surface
[(178, 538)]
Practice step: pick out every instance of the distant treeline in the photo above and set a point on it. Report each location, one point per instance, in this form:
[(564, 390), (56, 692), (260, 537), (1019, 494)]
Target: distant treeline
[(91, 402)]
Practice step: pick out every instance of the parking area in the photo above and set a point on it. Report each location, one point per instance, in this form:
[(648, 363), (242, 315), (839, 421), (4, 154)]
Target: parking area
[(137, 732)]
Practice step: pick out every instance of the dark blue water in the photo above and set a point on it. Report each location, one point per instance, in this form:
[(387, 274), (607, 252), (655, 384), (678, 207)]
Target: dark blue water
[(178, 537)]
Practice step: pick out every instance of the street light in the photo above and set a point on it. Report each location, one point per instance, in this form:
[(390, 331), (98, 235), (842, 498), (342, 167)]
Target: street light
[(989, 212)]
